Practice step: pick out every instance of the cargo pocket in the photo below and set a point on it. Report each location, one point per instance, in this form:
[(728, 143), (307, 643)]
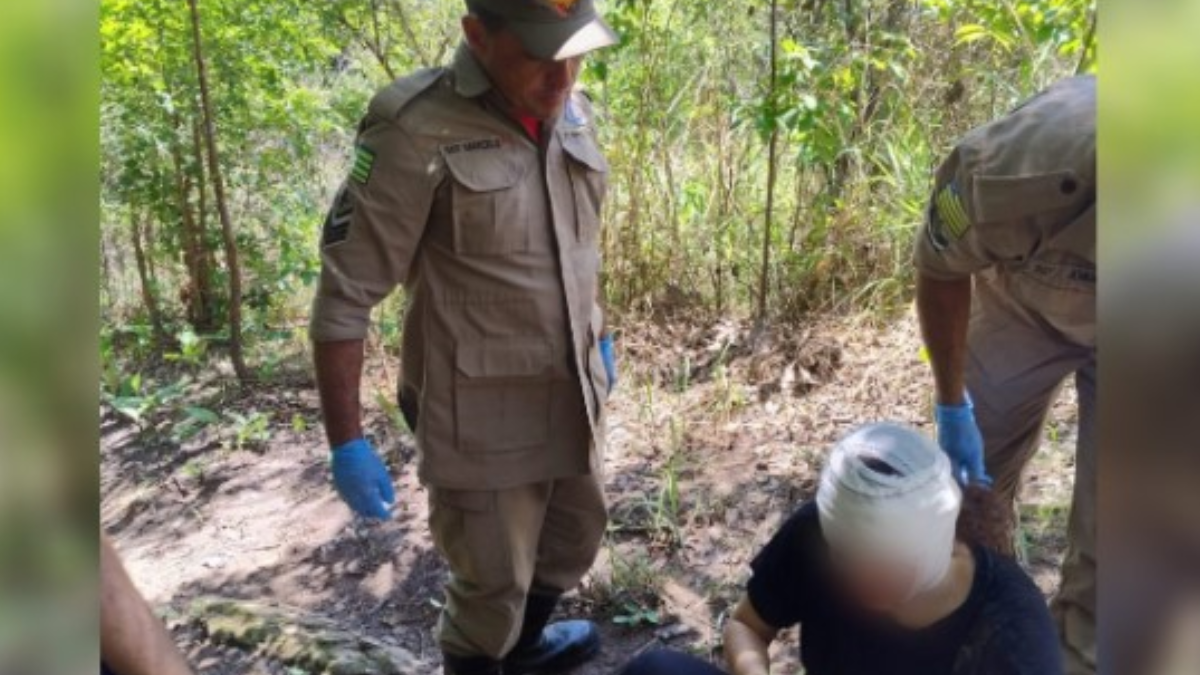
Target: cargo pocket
[(467, 532), (589, 182), (502, 396), (488, 208)]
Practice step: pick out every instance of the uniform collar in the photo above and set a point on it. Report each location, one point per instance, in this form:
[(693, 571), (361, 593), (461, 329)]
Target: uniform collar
[(470, 80)]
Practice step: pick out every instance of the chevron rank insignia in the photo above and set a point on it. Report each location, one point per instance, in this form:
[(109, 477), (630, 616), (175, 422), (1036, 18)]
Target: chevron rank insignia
[(364, 160), (337, 221)]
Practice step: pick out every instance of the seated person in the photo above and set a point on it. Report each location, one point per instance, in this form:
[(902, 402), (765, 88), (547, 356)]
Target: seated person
[(883, 575)]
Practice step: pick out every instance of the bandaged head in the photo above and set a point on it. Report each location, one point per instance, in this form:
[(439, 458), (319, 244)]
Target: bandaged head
[(887, 494)]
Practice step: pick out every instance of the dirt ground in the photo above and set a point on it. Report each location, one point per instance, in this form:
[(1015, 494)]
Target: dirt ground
[(711, 443)]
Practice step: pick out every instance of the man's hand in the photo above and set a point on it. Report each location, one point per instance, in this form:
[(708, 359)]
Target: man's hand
[(959, 436), (748, 640), (362, 480), (609, 356), (359, 475)]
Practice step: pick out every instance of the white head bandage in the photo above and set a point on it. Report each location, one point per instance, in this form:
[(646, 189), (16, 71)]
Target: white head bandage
[(887, 492)]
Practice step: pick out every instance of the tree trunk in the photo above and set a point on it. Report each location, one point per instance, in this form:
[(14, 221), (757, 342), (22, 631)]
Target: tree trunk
[(214, 172), (764, 272), (149, 299), (197, 295), (208, 254)]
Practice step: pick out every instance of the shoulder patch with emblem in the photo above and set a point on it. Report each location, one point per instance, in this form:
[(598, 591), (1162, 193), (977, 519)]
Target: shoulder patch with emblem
[(573, 114), (949, 219), (337, 221), (364, 161)]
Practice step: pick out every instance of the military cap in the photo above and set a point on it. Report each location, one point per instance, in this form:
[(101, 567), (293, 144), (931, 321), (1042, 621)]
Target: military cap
[(551, 29)]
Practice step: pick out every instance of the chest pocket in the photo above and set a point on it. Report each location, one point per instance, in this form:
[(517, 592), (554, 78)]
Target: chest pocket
[(489, 206), (589, 182), (1005, 198)]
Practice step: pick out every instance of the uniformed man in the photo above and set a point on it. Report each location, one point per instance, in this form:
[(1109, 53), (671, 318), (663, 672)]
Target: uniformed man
[(1014, 210), (478, 188)]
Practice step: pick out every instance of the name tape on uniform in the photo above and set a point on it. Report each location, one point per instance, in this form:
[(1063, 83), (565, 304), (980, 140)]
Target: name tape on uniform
[(472, 146)]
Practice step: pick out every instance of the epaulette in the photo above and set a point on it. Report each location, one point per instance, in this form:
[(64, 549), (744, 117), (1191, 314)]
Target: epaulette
[(392, 99)]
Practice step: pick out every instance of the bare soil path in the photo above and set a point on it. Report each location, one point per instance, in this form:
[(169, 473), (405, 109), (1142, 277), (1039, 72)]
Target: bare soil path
[(712, 442)]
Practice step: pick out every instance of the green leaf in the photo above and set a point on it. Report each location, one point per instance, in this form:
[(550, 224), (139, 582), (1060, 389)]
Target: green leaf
[(203, 415)]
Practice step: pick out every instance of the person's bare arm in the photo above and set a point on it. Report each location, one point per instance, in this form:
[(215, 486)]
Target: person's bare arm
[(339, 373), (132, 640), (747, 639), (944, 310)]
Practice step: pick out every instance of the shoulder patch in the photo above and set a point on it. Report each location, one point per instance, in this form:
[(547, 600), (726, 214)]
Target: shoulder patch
[(392, 99), (574, 114), (577, 113), (337, 221), (364, 161), (950, 212)]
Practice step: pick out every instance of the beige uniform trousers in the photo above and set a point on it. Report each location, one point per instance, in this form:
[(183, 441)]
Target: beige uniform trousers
[(1016, 365), (502, 545)]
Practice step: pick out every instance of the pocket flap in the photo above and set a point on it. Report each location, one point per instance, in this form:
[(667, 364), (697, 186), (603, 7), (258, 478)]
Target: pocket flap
[(505, 360), (1004, 198), (484, 165), (580, 146)]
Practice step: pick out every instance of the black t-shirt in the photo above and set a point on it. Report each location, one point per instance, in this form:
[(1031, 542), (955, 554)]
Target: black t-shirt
[(1003, 627)]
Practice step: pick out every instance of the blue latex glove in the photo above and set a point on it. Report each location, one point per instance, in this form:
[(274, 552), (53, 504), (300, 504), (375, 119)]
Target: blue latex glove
[(609, 356), (959, 436), (362, 480)]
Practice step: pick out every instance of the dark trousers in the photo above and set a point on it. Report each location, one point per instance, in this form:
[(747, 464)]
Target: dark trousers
[(667, 662)]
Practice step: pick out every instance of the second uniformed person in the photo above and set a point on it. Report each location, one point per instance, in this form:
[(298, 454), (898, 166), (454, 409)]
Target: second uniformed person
[(478, 188), (1014, 211)]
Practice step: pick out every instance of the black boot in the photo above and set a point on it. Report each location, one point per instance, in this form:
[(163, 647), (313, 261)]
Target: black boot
[(470, 665), (552, 648)]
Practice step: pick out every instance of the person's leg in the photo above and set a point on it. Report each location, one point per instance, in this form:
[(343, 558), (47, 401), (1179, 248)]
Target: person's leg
[(667, 662), (490, 542), (1074, 607), (1015, 367), (572, 530)]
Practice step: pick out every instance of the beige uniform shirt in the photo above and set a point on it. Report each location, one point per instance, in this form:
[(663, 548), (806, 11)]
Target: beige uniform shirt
[(1016, 202), (495, 239)]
